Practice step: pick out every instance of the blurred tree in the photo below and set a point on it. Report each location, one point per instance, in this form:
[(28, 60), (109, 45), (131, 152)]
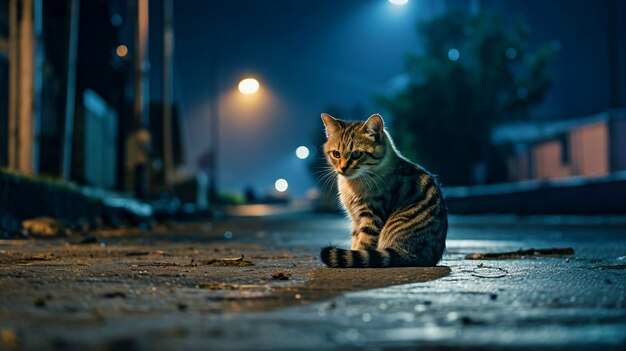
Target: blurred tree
[(474, 71)]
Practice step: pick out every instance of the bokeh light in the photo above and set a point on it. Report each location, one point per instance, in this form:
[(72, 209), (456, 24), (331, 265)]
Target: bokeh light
[(399, 2), (453, 54), (249, 86), (302, 152), (121, 50), (281, 185)]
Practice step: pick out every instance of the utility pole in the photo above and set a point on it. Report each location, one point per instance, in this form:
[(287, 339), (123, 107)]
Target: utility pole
[(25, 109), (21, 85), (14, 96), (70, 90), (39, 56), (214, 131), (140, 140), (168, 50)]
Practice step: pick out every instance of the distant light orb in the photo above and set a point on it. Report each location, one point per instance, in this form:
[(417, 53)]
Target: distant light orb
[(453, 54), (121, 50), (399, 2), (249, 86), (302, 152), (511, 53), (281, 185)]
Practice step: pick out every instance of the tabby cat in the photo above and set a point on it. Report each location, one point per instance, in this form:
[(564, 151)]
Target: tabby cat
[(397, 209)]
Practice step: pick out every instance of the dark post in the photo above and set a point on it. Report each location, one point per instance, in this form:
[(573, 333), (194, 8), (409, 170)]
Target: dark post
[(70, 90), (214, 132), (613, 53), (140, 140), (168, 50)]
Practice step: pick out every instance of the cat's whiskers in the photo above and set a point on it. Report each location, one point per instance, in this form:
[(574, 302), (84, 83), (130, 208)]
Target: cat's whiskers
[(327, 177)]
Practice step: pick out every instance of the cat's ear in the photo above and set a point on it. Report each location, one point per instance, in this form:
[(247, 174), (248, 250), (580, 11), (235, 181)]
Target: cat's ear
[(375, 126), (331, 124)]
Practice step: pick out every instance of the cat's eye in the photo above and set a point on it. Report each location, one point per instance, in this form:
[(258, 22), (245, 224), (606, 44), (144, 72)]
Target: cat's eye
[(355, 155), (336, 154)]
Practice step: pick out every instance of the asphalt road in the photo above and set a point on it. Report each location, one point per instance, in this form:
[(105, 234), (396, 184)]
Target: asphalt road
[(186, 286)]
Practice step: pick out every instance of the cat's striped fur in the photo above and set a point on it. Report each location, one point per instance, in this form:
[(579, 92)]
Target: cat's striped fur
[(397, 208)]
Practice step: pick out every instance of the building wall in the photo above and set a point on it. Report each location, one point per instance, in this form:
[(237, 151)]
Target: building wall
[(547, 160), (590, 152), (618, 144), (583, 151)]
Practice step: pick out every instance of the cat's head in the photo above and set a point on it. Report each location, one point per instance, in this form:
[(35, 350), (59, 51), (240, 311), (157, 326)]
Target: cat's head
[(354, 148)]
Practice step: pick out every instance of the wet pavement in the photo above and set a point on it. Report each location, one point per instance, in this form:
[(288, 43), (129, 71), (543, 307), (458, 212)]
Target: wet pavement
[(257, 284)]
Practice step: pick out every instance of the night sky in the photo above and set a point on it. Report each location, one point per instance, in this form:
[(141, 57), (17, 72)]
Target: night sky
[(310, 55)]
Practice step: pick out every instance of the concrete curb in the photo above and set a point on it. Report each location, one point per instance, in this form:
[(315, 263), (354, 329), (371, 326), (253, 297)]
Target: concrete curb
[(25, 196)]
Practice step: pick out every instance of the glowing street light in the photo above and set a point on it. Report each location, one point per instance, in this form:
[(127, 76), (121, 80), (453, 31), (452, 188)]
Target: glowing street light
[(302, 152), (249, 86), (281, 185), (121, 50), (399, 2)]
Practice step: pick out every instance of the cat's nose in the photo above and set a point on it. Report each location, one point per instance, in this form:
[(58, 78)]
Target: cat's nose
[(343, 169)]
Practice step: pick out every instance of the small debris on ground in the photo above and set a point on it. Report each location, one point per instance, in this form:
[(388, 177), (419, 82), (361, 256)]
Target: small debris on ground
[(225, 286), (137, 253), (228, 262), (41, 300), (281, 275), (8, 337), (114, 294), (217, 286), (88, 239), (163, 253), (465, 320), (43, 226), (37, 257), (615, 266), (274, 257), (551, 252)]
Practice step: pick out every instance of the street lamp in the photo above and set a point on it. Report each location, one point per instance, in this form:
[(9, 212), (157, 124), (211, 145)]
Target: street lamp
[(281, 185), (302, 152), (249, 86), (121, 50)]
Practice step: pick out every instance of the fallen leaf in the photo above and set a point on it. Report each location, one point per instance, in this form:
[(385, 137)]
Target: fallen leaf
[(281, 275), (551, 252), (228, 262), (114, 294)]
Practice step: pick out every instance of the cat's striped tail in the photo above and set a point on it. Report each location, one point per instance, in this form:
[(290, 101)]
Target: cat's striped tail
[(340, 258)]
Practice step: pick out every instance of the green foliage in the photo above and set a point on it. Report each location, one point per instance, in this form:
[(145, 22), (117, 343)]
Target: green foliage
[(231, 198), (443, 116)]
